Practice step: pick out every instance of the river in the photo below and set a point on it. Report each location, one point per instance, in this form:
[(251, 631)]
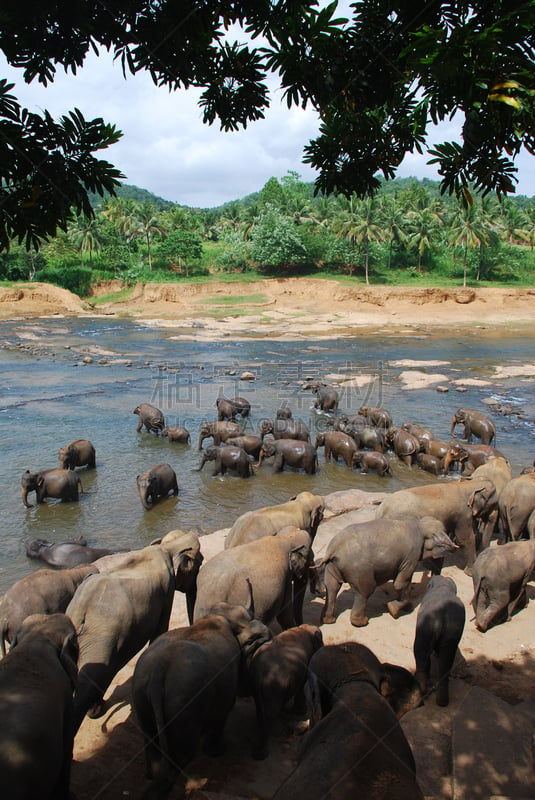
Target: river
[(49, 397)]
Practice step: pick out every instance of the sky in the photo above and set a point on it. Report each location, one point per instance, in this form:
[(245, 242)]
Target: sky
[(168, 150)]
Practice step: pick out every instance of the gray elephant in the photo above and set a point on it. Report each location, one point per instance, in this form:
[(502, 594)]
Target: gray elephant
[(337, 445), (284, 412), (500, 575), (475, 424), (436, 447), (358, 748), (467, 509), (430, 463), (277, 672), (327, 398), (354, 420), (233, 407), (377, 416), (366, 437), (291, 453), (278, 569), (37, 679), (439, 628), (372, 460), (42, 592), (150, 417), (285, 429), (304, 511), (424, 435), (155, 484), (404, 444), (228, 458), (219, 431), (59, 484), (469, 456), (368, 554), (517, 507), (177, 433), (115, 613), (80, 453), (249, 442), (64, 555), (496, 469), (184, 687)]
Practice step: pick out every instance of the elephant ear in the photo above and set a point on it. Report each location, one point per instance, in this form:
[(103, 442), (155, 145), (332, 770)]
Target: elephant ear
[(299, 562)]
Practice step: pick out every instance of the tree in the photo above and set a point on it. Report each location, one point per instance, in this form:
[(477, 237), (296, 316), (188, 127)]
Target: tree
[(275, 242), (180, 247), (359, 223), (377, 81), (467, 231)]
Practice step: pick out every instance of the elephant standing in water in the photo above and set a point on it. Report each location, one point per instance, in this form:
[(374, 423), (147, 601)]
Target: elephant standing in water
[(231, 408), (37, 679), (156, 483), (475, 424), (151, 417), (80, 453), (289, 452), (115, 613), (59, 484), (327, 398), (228, 458)]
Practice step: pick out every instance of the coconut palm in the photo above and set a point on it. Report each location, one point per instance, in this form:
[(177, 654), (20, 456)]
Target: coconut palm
[(86, 235), (467, 230), (358, 222)]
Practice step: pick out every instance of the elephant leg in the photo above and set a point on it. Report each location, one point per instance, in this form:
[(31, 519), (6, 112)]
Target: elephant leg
[(358, 616), (518, 598), (278, 464), (446, 657), (423, 649), (286, 617), (402, 585), (260, 748), (93, 680), (530, 525), (489, 528), (299, 589), (486, 612), (332, 587)]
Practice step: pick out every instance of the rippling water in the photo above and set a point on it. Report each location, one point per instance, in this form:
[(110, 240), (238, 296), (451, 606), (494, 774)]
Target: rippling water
[(48, 398)]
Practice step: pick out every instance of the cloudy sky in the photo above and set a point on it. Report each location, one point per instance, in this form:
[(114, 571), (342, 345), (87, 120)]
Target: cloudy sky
[(167, 149)]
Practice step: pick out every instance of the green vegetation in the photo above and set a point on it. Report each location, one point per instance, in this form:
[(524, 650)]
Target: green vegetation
[(407, 233), (378, 81), (235, 300)]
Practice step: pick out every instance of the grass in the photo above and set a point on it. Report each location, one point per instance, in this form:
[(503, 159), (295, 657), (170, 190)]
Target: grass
[(230, 300), (113, 297)]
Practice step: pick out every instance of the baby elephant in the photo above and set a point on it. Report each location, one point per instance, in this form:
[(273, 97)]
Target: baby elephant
[(177, 433), (228, 457), (277, 672), (155, 483), (500, 575), (80, 453), (371, 459), (439, 628), (368, 554), (150, 417)]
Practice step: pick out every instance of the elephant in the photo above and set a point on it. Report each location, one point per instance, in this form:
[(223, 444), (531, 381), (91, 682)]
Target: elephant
[(353, 420), (377, 416), (277, 567), (424, 435), (467, 509), (500, 575), (284, 412), (65, 555), (469, 456), (184, 687), (367, 437), (290, 452), (358, 748), (116, 612), (42, 592), (475, 424), (436, 448), (177, 433), (430, 463), (285, 429), (231, 408), (439, 628), (368, 554), (404, 444), (337, 445), (277, 672), (516, 504), (156, 483), (327, 398), (37, 679), (59, 484), (496, 469), (304, 511), (151, 417), (228, 457), (370, 459), (220, 431), (80, 453), (250, 443)]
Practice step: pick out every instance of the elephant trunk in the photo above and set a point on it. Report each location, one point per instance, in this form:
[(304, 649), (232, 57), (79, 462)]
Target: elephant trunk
[(144, 495), (25, 491), (447, 461), (453, 424)]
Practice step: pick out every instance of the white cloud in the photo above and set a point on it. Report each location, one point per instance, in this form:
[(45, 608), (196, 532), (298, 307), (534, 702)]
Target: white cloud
[(168, 150)]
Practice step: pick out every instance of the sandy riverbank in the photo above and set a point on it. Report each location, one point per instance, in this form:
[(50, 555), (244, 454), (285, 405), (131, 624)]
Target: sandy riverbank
[(286, 308)]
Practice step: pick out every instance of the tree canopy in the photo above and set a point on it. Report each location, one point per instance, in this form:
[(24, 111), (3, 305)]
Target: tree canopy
[(377, 80)]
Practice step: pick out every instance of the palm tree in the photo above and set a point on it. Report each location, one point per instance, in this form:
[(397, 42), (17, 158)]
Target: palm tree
[(394, 223), (424, 224), (467, 230), (514, 222), (86, 235), (358, 222), (145, 223)]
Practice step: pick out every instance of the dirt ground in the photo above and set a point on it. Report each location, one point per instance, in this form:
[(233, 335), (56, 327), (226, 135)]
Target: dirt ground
[(108, 758)]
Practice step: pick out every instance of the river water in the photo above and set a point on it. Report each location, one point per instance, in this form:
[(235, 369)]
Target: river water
[(48, 397)]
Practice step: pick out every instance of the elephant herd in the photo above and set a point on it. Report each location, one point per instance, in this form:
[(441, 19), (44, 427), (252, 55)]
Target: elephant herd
[(71, 629)]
